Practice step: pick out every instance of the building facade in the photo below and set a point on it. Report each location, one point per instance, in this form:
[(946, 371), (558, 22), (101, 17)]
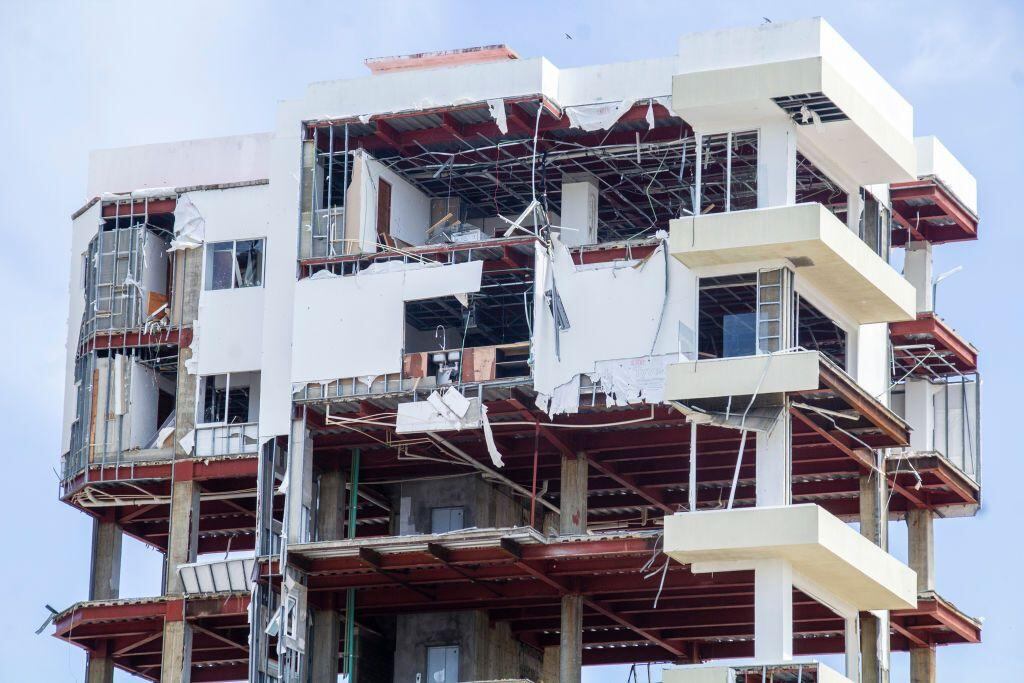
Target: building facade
[(477, 369)]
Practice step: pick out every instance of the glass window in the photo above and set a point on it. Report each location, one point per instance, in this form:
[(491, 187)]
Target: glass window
[(228, 399), (231, 265), (443, 664), (447, 519)]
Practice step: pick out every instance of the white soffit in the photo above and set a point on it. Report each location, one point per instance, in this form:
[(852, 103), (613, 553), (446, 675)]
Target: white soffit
[(742, 376), (217, 577), (817, 544), (733, 78), (826, 253)]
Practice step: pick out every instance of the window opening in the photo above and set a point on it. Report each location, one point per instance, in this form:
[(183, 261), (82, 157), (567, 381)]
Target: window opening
[(816, 331), (234, 264)]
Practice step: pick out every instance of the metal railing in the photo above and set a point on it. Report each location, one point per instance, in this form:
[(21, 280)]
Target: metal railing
[(232, 439)]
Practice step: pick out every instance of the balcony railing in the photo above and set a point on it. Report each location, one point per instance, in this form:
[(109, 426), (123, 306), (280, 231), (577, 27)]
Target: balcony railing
[(232, 439)]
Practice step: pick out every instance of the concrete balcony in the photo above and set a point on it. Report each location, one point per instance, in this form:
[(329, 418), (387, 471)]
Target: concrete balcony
[(817, 545), (826, 254), (743, 376), (806, 72)]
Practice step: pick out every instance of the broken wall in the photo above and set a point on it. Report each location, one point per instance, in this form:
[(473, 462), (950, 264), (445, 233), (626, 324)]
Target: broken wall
[(617, 310), (410, 208), (484, 506), (359, 319)]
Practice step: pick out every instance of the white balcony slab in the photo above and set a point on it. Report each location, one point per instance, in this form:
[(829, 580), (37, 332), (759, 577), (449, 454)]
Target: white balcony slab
[(824, 251), (819, 546), (742, 376)]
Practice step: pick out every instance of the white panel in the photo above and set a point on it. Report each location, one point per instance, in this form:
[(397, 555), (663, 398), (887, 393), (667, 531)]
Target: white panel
[(615, 310), (229, 337), (364, 313), (178, 164)]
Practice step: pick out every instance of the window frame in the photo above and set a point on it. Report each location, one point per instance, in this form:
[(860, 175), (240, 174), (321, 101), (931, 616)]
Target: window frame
[(226, 407), (208, 250)]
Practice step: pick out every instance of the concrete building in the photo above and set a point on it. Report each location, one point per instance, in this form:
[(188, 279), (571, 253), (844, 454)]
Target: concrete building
[(478, 368)]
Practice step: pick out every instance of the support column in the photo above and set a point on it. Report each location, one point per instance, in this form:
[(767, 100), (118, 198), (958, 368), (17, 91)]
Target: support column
[(573, 520), (99, 666), (776, 165), (773, 465), (550, 664), (330, 523), (922, 665), (570, 645), (773, 611), (874, 627), (921, 557), (183, 523), (105, 567), (917, 269), (104, 584)]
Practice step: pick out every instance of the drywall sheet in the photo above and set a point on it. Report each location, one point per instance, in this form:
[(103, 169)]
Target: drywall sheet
[(615, 311), (633, 380), (230, 333), (353, 326), (440, 412), (410, 208)]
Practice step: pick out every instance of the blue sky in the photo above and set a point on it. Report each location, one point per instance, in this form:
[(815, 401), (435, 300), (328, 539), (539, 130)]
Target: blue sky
[(76, 76)]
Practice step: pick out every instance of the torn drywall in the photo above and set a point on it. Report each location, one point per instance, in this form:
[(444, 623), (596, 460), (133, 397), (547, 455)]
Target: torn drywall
[(497, 109), (364, 313), (633, 380), (439, 412), (617, 311), (600, 116), (189, 225)]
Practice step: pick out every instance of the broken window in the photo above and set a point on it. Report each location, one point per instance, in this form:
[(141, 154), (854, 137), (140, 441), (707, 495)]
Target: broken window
[(875, 224), (234, 264), (443, 664), (813, 185), (728, 172), (817, 332), (231, 398), (443, 520)]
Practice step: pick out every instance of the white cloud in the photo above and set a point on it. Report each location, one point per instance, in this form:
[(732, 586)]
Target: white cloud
[(953, 45)]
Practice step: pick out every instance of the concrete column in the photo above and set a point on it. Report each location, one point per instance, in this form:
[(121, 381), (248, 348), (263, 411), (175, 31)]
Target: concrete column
[(299, 496), (573, 520), (570, 653), (550, 664), (922, 665), (183, 535), (573, 499), (105, 566), (176, 659), (330, 522), (920, 413), (773, 464), (874, 627), (326, 638), (579, 209), (99, 666), (773, 611), (776, 165), (917, 269), (921, 547)]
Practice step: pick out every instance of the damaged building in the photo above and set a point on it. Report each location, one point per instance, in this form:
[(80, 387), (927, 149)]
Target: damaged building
[(481, 369)]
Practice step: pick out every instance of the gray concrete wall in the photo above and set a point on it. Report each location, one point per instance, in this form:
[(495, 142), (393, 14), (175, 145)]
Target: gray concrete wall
[(486, 652), (483, 505)]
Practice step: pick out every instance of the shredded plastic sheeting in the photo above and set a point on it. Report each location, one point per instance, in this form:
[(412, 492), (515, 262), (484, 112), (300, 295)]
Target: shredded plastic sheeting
[(633, 380), (448, 411), (189, 225), (497, 109), (492, 448), (600, 116)]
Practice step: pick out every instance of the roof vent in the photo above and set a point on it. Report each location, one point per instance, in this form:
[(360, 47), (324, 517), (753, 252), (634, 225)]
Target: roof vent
[(442, 59)]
